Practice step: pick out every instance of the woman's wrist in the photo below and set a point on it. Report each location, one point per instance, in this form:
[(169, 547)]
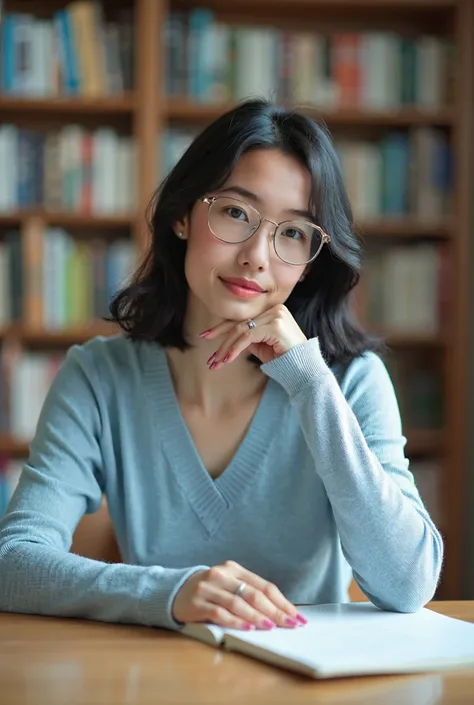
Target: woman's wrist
[(299, 366)]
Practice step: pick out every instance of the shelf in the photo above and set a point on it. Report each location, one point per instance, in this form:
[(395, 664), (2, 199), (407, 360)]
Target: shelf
[(61, 338), (12, 448), (181, 109), (68, 219), (409, 340), (79, 334), (390, 12), (425, 441), (354, 5), (414, 340), (420, 442), (109, 105), (405, 227)]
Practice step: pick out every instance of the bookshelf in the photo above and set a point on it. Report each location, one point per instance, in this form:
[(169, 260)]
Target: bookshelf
[(421, 442), (11, 106), (68, 219), (180, 110), (145, 111)]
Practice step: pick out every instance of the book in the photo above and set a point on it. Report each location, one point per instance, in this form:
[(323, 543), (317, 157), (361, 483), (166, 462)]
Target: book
[(379, 70), (353, 639)]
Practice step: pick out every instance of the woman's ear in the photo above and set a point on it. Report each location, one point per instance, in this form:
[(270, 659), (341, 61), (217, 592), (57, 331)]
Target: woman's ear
[(180, 228)]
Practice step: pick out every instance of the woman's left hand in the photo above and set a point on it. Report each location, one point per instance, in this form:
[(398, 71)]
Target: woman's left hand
[(275, 332)]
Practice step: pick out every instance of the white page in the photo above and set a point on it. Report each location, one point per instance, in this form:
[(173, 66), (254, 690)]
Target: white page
[(358, 638), (209, 633)]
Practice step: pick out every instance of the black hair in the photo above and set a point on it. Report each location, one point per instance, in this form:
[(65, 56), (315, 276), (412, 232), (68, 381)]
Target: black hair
[(152, 305)]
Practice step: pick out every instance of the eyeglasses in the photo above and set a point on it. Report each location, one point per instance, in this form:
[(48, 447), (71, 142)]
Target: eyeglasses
[(232, 220)]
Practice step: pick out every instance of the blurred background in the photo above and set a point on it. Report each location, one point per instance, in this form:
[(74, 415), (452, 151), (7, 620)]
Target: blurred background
[(99, 100)]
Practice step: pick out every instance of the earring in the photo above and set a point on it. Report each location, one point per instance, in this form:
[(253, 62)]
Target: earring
[(181, 235)]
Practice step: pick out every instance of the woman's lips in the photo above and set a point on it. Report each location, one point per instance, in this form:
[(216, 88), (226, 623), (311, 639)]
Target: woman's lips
[(240, 289)]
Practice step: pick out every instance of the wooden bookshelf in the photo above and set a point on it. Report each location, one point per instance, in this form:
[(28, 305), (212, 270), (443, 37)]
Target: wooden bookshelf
[(147, 112), (420, 442), (407, 227), (57, 339), (67, 219), (326, 6), (415, 340), (183, 111), (68, 336), (12, 448), (425, 442), (12, 106), (402, 227)]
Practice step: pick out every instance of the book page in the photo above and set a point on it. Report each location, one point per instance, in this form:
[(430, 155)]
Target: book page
[(358, 638), (208, 633)]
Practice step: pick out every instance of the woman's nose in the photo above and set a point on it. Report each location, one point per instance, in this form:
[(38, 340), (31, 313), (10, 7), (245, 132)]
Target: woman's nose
[(255, 252)]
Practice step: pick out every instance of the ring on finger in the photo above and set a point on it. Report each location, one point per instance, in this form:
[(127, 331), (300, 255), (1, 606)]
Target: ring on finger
[(240, 590), (251, 324)]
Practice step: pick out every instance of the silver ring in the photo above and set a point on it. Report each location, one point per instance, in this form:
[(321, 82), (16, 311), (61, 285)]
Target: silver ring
[(251, 324), (240, 590)]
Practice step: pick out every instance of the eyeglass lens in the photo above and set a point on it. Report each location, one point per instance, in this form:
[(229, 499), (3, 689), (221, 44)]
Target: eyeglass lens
[(235, 221)]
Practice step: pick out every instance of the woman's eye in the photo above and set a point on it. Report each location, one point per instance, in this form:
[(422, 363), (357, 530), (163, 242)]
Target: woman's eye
[(237, 213), (294, 234)]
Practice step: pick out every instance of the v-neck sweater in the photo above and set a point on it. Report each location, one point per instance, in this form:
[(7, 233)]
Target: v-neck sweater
[(318, 491)]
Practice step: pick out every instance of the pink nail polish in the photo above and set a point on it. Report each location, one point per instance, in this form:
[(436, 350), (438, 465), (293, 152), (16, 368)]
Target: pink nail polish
[(249, 627), (212, 358), (213, 366), (204, 333), (226, 358), (301, 619), (268, 624), (290, 622)]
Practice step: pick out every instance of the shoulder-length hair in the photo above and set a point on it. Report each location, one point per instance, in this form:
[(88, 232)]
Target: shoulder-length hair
[(152, 305)]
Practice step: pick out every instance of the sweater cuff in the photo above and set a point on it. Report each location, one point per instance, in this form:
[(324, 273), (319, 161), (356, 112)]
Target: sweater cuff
[(302, 364), (157, 600)]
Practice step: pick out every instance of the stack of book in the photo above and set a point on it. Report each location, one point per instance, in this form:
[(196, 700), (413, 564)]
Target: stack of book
[(408, 288), (210, 61), (25, 378), (50, 280), (74, 169), (75, 53)]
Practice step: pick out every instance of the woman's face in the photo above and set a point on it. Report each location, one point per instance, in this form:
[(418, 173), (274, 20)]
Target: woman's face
[(278, 187)]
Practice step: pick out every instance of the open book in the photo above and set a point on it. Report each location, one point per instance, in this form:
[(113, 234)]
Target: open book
[(350, 639)]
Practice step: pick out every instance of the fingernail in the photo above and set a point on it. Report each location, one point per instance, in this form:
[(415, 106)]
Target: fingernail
[(268, 624), (290, 622), (212, 358), (301, 619), (213, 366), (226, 358), (248, 627), (204, 333)]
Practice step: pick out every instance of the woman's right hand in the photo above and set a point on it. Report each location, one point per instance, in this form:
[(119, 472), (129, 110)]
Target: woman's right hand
[(210, 596)]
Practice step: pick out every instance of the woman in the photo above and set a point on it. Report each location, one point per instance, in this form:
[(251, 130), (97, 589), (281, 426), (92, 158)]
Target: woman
[(245, 433)]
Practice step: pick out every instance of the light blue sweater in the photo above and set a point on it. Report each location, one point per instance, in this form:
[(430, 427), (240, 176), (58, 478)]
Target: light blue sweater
[(319, 486)]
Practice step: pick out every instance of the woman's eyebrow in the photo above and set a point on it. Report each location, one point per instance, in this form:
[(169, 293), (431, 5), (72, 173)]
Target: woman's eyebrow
[(242, 192), (306, 214)]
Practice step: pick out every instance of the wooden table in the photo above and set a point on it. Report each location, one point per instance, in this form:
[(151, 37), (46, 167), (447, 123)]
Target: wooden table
[(48, 661)]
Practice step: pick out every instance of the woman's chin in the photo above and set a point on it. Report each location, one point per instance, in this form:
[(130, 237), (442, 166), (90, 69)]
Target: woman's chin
[(234, 313)]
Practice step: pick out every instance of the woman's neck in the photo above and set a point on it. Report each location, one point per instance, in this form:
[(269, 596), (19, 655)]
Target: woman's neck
[(211, 390)]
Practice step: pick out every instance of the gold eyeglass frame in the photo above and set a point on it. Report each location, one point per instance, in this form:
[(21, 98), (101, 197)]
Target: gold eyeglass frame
[(325, 238)]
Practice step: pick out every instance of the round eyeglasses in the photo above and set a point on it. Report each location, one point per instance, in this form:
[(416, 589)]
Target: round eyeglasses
[(232, 220)]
